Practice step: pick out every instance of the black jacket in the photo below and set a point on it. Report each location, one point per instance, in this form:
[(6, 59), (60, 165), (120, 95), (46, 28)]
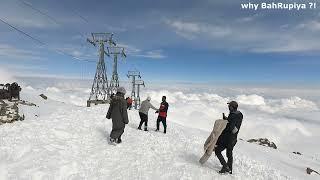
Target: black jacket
[(119, 115), (229, 135)]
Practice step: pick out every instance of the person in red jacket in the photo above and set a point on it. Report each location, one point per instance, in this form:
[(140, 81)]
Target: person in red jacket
[(163, 110), (129, 103)]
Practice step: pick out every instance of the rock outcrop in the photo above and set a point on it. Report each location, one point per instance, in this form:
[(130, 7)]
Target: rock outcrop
[(310, 171), (43, 96), (263, 142)]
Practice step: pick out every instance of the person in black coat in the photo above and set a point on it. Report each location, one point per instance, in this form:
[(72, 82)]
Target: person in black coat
[(119, 115), (228, 138)]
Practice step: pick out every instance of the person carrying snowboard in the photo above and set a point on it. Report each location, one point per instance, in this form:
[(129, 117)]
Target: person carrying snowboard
[(119, 115), (210, 144), (228, 138), (143, 113), (163, 110)]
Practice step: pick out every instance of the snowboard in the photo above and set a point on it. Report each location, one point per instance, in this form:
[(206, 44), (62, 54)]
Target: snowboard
[(209, 145)]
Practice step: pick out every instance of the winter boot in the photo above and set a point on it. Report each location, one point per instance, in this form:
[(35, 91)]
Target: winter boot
[(119, 141), (112, 141), (230, 166), (225, 169), (139, 128)]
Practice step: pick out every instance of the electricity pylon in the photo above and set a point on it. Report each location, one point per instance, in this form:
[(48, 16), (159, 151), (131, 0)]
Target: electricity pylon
[(99, 89), (114, 82), (137, 100), (133, 74)]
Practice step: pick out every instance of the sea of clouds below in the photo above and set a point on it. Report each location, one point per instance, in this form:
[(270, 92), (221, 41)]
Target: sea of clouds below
[(287, 116)]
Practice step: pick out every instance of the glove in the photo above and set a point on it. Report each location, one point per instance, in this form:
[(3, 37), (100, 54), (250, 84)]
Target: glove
[(157, 112), (224, 116)]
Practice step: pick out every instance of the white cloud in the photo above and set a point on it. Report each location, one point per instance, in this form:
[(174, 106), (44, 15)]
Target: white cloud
[(53, 89), (251, 100), (20, 15), (5, 76), (76, 53), (133, 51), (312, 25), (191, 30), (24, 14), (79, 53), (31, 23), (129, 49), (16, 53), (115, 29), (154, 54), (245, 19), (246, 35), (23, 67)]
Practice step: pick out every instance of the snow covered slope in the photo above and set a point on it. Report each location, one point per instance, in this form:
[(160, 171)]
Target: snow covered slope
[(60, 140)]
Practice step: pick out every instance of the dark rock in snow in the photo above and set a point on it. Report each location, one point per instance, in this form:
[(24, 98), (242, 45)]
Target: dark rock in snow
[(9, 112), (309, 171), (263, 142), (43, 96), (297, 153), (23, 102)]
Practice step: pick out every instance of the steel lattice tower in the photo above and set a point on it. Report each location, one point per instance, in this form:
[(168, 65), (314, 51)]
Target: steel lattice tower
[(99, 90), (137, 100), (114, 82), (133, 74)]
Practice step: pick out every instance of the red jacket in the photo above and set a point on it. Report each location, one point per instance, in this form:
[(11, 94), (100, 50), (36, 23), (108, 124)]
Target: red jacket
[(129, 101), (163, 110)]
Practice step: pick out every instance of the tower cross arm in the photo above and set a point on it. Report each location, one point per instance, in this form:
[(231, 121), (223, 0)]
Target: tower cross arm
[(115, 50), (140, 82), (133, 73)]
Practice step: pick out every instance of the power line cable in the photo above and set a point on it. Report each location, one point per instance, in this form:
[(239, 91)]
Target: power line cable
[(80, 16), (83, 45), (46, 15), (41, 42), (26, 34), (39, 11)]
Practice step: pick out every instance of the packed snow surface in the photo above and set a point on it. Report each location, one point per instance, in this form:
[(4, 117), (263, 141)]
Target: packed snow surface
[(63, 139)]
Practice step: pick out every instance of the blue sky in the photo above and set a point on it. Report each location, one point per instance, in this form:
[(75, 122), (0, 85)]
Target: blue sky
[(167, 40)]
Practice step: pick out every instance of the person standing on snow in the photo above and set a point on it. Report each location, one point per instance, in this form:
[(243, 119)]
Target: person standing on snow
[(143, 113), (163, 110), (129, 103), (210, 144), (228, 137), (119, 115)]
